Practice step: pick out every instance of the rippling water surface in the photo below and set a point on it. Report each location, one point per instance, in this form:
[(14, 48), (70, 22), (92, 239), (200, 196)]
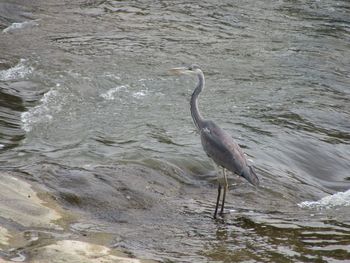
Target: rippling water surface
[(89, 111)]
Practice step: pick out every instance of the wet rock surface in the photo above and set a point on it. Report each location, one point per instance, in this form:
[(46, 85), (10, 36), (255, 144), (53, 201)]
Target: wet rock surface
[(34, 228)]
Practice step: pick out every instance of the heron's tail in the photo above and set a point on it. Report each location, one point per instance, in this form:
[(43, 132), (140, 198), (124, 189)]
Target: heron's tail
[(249, 174)]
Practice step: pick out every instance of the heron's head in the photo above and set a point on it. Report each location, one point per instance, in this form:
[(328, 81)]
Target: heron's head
[(190, 70)]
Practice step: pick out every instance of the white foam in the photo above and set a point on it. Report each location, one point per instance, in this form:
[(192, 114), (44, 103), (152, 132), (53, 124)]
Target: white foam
[(19, 71), (15, 26), (115, 93), (40, 113), (335, 200), (140, 94), (112, 93), (111, 75)]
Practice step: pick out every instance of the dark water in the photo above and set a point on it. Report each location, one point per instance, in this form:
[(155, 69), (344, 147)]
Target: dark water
[(89, 111)]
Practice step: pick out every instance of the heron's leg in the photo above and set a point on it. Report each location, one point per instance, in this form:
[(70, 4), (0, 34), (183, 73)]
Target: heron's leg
[(217, 200), (225, 188)]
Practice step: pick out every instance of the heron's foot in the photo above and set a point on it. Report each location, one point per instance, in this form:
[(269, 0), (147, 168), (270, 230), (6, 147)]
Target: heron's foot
[(222, 214), (219, 217)]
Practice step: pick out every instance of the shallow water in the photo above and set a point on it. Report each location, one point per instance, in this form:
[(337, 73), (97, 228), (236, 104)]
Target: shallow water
[(89, 111)]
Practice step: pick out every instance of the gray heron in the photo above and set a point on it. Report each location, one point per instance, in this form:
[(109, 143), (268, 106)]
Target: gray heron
[(216, 142)]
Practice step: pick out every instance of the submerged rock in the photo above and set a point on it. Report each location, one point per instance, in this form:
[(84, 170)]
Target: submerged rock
[(35, 230), (4, 236), (74, 251), (21, 204)]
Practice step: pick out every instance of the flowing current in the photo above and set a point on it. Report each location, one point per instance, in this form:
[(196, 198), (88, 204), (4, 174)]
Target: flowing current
[(89, 112)]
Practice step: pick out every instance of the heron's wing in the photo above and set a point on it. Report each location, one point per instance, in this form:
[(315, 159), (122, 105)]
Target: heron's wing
[(221, 147), (225, 152)]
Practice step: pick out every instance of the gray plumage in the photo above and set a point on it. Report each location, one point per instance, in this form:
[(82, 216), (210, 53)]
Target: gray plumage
[(216, 142), (225, 152)]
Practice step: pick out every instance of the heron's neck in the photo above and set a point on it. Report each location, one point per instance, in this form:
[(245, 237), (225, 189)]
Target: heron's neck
[(196, 116)]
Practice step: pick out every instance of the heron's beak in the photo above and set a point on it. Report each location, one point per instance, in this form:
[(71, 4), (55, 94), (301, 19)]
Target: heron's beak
[(180, 71)]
